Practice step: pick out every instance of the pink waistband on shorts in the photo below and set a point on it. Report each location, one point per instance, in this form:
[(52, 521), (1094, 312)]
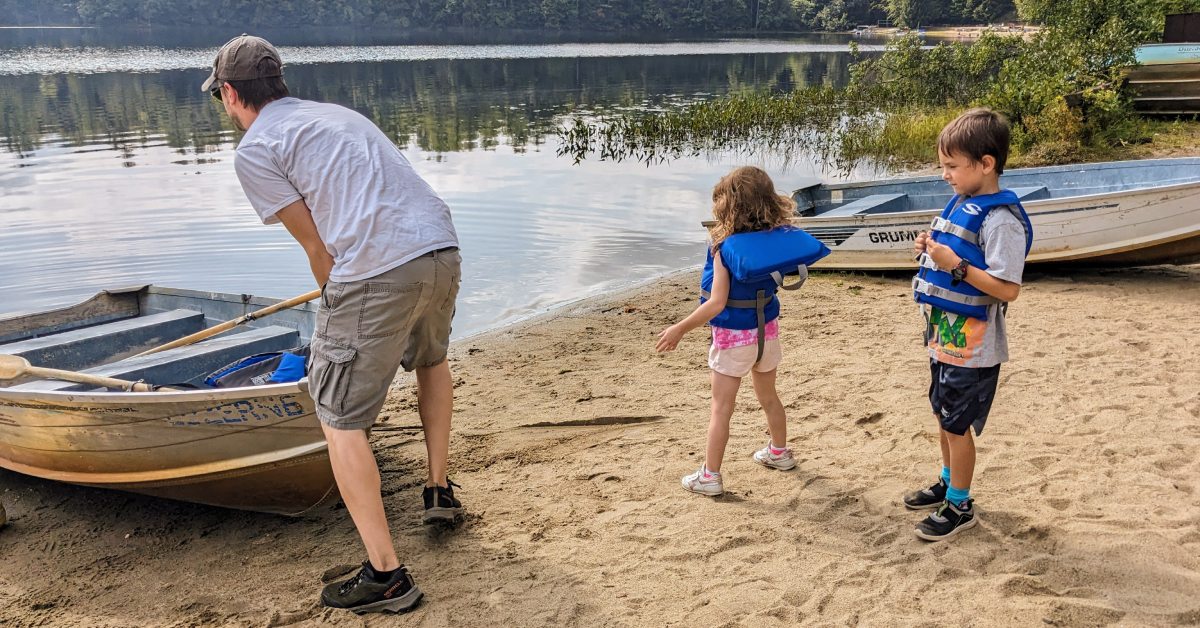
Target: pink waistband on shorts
[(730, 338)]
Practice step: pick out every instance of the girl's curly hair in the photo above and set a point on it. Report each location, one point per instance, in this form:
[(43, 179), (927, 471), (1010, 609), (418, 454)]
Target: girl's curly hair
[(745, 200)]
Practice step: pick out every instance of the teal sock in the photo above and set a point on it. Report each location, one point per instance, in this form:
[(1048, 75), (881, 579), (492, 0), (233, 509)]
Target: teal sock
[(957, 496), (946, 475)]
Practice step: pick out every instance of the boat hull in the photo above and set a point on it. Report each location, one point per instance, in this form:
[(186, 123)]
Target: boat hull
[(1130, 228), (249, 448)]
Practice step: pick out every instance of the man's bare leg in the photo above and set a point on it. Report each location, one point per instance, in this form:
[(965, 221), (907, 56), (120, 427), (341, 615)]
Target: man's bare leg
[(357, 476), (435, 403)]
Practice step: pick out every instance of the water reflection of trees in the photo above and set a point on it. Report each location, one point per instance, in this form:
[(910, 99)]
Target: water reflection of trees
[(441, 106)]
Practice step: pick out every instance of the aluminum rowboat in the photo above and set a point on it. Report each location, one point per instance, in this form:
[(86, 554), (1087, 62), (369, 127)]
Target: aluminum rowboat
[(1124, 213), (253, 448)]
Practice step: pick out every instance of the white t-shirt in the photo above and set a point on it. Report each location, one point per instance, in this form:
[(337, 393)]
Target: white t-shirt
[(372, 210)]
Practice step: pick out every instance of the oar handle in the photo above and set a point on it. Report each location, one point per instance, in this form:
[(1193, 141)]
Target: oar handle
[(227, 325), (94, 380)]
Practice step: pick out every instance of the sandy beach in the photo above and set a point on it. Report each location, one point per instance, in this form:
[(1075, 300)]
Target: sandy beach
[(571, 436)]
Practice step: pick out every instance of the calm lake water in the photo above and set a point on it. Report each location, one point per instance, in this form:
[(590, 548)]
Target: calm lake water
[(116, 170)]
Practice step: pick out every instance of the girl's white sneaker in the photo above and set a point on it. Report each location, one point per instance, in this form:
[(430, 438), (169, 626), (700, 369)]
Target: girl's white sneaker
[(782, 461), (697, 483)]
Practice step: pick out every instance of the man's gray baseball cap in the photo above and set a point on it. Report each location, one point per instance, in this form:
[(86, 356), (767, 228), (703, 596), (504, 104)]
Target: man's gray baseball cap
[(244, 58)]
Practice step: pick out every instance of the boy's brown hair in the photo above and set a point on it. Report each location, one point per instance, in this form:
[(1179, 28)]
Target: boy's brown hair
[(976, 133)]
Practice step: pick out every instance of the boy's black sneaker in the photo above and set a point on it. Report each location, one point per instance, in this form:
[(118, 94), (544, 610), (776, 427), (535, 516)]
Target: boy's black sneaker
[(364, 593), (441, 507), (948, 521), (931, 497)]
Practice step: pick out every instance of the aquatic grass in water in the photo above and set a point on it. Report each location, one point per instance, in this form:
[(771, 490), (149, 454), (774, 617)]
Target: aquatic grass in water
[(903, 138), (823, 121), (890, 113), (740, 123)]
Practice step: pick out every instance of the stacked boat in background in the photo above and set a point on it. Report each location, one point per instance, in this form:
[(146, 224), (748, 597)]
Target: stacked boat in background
[(1166, 80)]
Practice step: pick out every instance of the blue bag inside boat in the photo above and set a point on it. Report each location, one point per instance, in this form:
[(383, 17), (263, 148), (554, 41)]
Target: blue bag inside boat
[(277, 367), (762, 255)]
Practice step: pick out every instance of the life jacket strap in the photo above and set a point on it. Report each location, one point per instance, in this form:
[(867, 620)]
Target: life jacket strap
[(760, 309), (801, 270), (945, 226), (743, 303), (924, 287), (924, 261)]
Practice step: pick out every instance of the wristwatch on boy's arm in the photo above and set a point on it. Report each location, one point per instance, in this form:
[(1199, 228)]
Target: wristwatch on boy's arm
[(958, 273)]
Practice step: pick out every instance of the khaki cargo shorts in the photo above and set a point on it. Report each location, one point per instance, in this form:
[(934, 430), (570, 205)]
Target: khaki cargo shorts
[(368, 329)]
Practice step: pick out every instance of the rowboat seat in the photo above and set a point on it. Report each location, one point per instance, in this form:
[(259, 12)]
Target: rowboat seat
[(187, 364), (88, 346), (1031, 193), (873, 204)]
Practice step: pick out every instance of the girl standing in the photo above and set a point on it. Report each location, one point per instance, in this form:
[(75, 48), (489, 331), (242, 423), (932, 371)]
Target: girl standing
[(743, 313)]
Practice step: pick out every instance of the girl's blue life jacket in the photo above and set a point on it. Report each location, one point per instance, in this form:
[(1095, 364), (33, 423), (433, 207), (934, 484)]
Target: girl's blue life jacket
[(757, 262), (276, 367), (958, 227)]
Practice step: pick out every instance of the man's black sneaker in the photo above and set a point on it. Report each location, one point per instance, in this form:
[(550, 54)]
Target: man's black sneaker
[(441, 507), (931, 497), (948, 521), (365, 593)]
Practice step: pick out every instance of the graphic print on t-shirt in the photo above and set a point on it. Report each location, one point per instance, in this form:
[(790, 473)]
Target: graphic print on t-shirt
[(952, 338)]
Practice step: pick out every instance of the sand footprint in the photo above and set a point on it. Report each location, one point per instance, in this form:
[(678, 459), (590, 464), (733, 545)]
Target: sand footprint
[(1073, 613), (1059, 503), (1041, 463)]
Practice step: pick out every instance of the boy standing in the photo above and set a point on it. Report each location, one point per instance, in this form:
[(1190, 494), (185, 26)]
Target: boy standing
[(970, 269)]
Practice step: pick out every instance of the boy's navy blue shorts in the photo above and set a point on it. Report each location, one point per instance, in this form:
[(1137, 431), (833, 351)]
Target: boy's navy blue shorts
[(961, 397)]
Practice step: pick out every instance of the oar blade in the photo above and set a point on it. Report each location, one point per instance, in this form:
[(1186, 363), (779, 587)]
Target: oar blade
[(12, 366)]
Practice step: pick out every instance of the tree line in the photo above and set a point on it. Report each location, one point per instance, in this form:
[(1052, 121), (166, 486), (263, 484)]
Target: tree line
[(707, 16), (437, 105)]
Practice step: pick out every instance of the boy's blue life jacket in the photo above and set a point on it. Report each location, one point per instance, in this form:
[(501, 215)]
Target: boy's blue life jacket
[(958, 228), (277, 367), (757, 262)]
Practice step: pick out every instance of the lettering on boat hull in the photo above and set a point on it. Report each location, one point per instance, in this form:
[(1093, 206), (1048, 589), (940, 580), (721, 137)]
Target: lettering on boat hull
[(243, 411), (881, 237)]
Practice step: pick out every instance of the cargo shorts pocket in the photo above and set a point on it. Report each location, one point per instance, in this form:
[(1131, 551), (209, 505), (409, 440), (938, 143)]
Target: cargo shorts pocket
[(388, 309), (331, 295), (330, 374)]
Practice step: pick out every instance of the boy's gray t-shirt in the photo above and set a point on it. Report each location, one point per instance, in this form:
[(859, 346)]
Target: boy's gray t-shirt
[(372, 210), (970, 342)]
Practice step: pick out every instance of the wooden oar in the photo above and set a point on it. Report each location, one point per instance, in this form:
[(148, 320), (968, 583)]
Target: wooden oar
[(227, 325), (14, 366)]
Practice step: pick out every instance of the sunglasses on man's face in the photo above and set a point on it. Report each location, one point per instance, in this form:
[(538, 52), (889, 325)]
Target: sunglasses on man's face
[(216, 93)]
